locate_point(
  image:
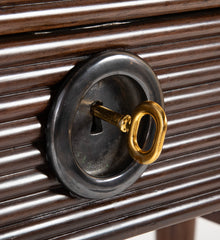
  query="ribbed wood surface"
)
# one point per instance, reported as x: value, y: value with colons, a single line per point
x: 184, y: 52
x: 21, y: 16
x: 64, y: 43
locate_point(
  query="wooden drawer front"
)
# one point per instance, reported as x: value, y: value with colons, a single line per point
x: 184, y: 51
x: 21, y: 16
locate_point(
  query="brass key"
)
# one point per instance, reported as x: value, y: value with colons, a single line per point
x: 130, y: 124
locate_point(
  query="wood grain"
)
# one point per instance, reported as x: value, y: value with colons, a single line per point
x: 27, y: 104
x: 73, y: 217
x: 181, y: 231
x: 165, y: 59
x: 32, y: 46
x: 21, y: 158
x: 182, y: 47
x: 43, y: 15
x: 147, y: 220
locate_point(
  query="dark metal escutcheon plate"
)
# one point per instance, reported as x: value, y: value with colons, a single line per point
x: 90, y: 156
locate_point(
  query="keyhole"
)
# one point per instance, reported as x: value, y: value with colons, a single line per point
x: 96, y: 123
x: 96, y: 126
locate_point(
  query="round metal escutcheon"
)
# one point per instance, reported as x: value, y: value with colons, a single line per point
x: 90, y: 156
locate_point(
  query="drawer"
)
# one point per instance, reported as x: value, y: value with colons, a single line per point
x: 40, y: 43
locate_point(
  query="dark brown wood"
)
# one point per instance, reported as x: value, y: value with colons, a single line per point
x: 29, y: 130
x: 175, y: 53
x: 181, y: 231
x: 184, y: 51
x: 57, y: 14
x: 28, y: 104
x: 73, y: 217
x: 189, y: 74
x: 33, y: 47
x: 26, y: 77
x: 21, y: 2
x: 190, y: 142
x: 58, y: 199
x: 192, y: 120
x: 140, y: 222
x: 21, y: 158
x: 20, y: 132
x: 214, y: 217
x: 183, y: 166
x: 160, y: 172
x: 183, y: 99
x: 26, y: 182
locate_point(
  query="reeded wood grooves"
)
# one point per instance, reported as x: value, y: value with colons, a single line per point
x: 57, y: 14
x: 35, y: 46
x: 184, y: 52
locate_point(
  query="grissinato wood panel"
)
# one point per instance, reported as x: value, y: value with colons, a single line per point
x: 192, y: 120
x: 20, y: 158
x: 42, y: 177
x: 21, y: 2
x: 189, y: 74
x: 148, y: 220
x: 19, y: 132
x: 191, y: 141
x: 30, y: 157
x: 183, y: 50
x: 26, y: 182
x: 181, y: 166
x: 27, y: 104
x: 33, y: 46
x: 28, y: 206
x: 56, y: 14
x: 158, y: 172
x: 183, y: 99
x: 125, y: 205
x: 29, y: 130
x: 194, y: 54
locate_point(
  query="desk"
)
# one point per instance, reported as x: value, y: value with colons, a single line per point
x: 40, y: 42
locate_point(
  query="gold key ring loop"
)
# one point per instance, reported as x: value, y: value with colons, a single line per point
x: 129, y: 124
x: 157, y: 113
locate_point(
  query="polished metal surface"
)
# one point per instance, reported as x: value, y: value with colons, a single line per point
x: 129, y: 124
x: 150, y: 155
x: 123, y: 122
x: 92, y: 160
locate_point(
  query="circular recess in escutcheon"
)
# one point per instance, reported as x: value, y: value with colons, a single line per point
x: 89, y: 155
